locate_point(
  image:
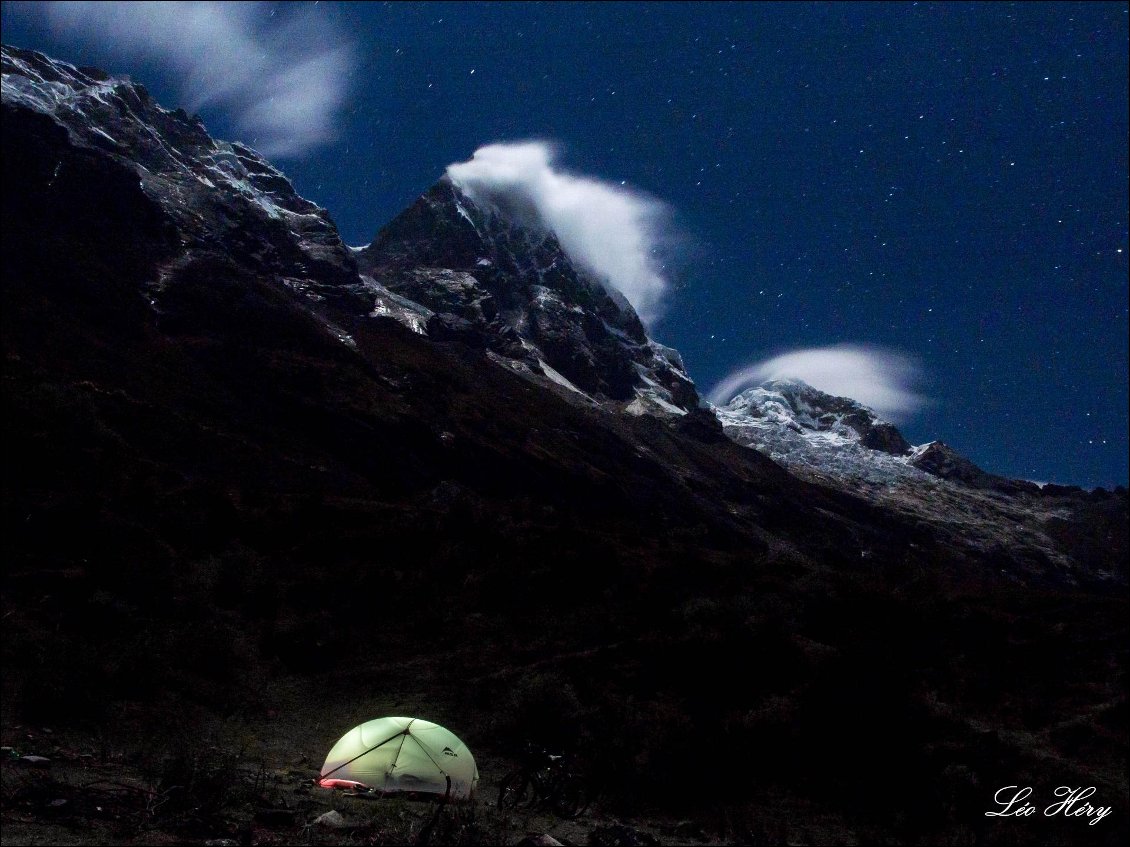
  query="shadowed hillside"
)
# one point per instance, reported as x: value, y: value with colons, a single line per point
x: 225, y: 494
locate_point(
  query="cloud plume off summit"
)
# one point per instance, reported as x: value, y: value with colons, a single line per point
x: 609, y: 230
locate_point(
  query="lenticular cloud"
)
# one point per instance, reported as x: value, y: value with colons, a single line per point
x: 282, y: 81
x: 608, y: 230
x: 880, y: 379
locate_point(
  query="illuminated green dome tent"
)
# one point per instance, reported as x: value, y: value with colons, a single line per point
x: 402, y: 755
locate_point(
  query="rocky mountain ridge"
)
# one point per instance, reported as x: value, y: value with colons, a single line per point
x: 447, y: 266
x: 222, y: 197
x: 248, y: 483
x: 491, y: 278
x: 444, y: 266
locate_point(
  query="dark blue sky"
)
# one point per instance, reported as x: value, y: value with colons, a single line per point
x: 946, y: 180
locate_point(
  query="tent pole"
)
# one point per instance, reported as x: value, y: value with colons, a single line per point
x: 424, y: 750
x: 370, y: 750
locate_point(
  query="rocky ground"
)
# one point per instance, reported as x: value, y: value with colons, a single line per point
x: 71, y: 792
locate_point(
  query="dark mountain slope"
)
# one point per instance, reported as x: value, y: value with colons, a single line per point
x: 223, y: 483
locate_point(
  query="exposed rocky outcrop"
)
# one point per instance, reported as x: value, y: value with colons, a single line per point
x: 943, y: 461
x: 503, y: 272
x: 216, y: 197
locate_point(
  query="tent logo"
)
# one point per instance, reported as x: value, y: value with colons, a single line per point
x: 447, y: 751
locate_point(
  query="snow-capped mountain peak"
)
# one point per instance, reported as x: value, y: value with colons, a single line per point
x: 795, y: 405
x: 808, y: 430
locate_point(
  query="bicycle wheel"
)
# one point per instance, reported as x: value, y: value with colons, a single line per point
x: 516, y: 791
x: 571, y: 796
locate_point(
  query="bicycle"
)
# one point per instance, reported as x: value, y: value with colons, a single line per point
x: 545, y: 780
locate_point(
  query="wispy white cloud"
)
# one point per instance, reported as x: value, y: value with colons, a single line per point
x: 881, y: 379
x: 282, y: 81
x: 611, y: 231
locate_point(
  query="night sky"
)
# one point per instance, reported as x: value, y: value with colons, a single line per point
x: 948, y: 181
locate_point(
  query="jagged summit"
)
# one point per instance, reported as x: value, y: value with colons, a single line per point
x: 493, y: 271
